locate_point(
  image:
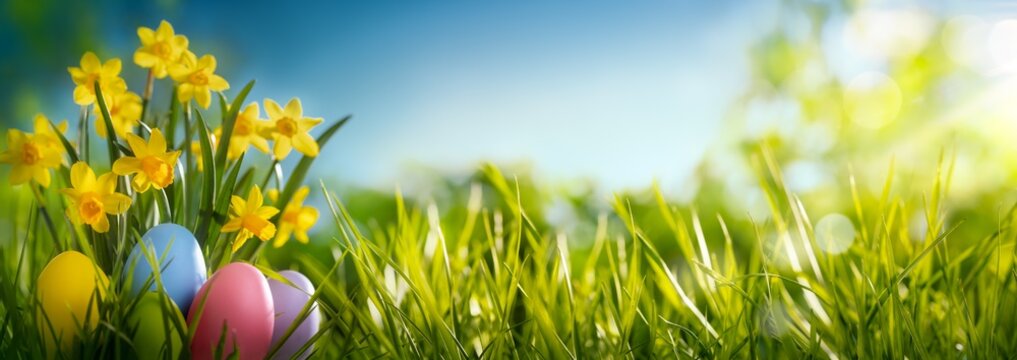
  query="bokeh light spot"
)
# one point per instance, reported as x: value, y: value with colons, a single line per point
x: 834, y: 233
x: 1003, y: 44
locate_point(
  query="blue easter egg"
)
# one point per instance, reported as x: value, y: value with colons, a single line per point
x: 181, y: 264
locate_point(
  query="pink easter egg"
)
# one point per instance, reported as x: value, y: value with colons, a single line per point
x: 237, y: 297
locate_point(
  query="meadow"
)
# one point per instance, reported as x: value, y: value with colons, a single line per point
x: 905, y: 251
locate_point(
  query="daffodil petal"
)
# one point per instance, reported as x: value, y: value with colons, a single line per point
x: 282, y: 147
x: 302, y: 237
x: 306, y: 124
x: 217, y: 83
x: 241, y: 239
x: 127, y: 165
x: 266, y: 212
x: 207, y: 62
x: 260, y: 143
x: 267, y: 232
x: 106, y: 183
x: 146, y: 35
x: 180, y: 41
x: 145, y: 59
x: 138, y: 145
x: 185, y: 92
x: 116, y: 203
x: 283, y: 235
x: 83, y: 95
x: 203, y: 96
x: 112, y: 67
x: 90, y: 63
x: 273, y: 109
x: 254, y: 198
x: 232, y: 225
x: 300, y: 195
x: 165, y: 30
x: 305, y: 144
x: 294, y: 109
x: 42, y: 176
x: 252, y: 111
x: 238, y: 205
x: 82, y: 177
x: 102, y: 225
x: 71, y: 193
x: 157, y: 142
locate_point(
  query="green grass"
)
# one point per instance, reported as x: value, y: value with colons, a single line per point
x: 485, y: 266
x: 483, y: 273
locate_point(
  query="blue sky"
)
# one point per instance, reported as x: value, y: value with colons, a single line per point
x: 623, y: 93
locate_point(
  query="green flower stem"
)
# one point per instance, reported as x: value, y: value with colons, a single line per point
x: 268, y: 176
x: 257, y: 250
x: 146, y: 97
x: 45, y: 214
x: 183, y: 213
x: 83, y: 134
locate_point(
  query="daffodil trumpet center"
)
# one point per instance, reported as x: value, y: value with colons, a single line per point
x: 161, y: 49
x: 199, y: 78
x: 243, y: 127
x: 286, y: 126
x: 291, y: 216
x: 91, y: 208
x: 30, y: 153
x: 157, y: 170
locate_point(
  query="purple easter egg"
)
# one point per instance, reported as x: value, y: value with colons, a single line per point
x: 289, y: 301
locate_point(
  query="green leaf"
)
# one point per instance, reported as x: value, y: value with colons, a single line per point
x: 221, y: 205
x: 208, y: 187
x: 229, y: 117
x: 174, y: 116
x: 111, y: 134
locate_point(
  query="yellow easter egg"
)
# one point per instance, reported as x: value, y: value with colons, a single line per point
x: 65, y: 288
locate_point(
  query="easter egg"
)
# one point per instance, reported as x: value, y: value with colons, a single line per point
x: 289, y: 301
x: 155, y: 334
x: 238, y: 299
x: 182, y: 267
x: 66, y: 287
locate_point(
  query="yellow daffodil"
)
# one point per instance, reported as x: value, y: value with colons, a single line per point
x: 290, y: 129
x: 31, y: 157
x: 196, y: 79
x: 124, y: 112
x: 248, y: 130
x: 250, y: 217
x: 160, y: 48
x: 91, y: 71
x: 151, y: 163
x: 296, y: 219
x: 93, y: 198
